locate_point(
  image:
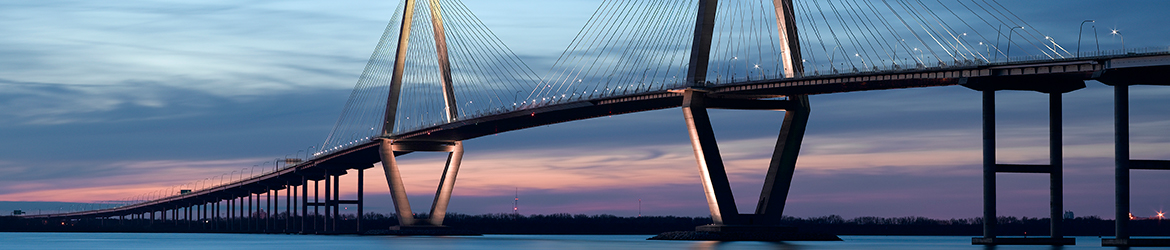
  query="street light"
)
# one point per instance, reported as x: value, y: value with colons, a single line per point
x: 1009, y: 48
x: 1080, y: 30
x: 986, y: 47
x: 1118, y: 33
x: 963, y: 41
x: 918, y: 57
x: 863, y: 65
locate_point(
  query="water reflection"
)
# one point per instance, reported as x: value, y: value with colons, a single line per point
x: 724, y: 245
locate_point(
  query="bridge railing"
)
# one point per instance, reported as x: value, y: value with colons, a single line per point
x: 826, y: 70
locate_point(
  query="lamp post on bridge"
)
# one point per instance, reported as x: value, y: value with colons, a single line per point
x: 262, y: 165
x: 1081, y: 30
x: 918, y: 57
x: 863, y: 64
x: 986, y: 47
x: 965, y: 43
x: 1009, y: 47
x: 1118, y: 33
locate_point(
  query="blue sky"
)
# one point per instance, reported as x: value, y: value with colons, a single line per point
x: 107, y: 100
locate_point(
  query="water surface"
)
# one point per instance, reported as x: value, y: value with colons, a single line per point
x: 284, y: 242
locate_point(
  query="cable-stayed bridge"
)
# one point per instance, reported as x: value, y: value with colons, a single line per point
x: 439, y: 76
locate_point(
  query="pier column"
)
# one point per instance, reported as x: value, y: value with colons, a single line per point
x: 250, y: 218
x: 288, y: 208
x: 446, y: 185
x: 316, y: 203
x: 230, y: 211
x: 361, y: 201
x: 336, y: 202
x: 326, y: 219
x: 989, y: 217
x: 268, y: 222
x: 782, y: 166
x: 1056, y: 159
x: 304, y: 205
x: 1121, y: 159
x: 397, y: 188
x: 711, y: 171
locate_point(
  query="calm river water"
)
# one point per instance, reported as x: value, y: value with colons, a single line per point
x: 12, y: 241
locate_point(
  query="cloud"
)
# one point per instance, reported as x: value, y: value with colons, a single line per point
x: 221, y: 44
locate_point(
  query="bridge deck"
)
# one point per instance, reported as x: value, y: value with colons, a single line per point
x: 1047, y: 76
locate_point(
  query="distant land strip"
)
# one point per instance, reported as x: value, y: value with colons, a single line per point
x: 610, y: 224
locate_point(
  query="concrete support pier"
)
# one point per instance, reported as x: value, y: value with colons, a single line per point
x: 730, y: 225
x: 1054, y: 169
x: 407, y: 224
x: 1121, y: 80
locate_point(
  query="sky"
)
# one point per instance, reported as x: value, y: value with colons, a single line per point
x: 106, y: 100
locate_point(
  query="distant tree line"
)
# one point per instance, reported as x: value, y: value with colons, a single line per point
x: 609, y: 224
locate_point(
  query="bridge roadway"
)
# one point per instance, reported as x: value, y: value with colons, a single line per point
x: 1054, y: 75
